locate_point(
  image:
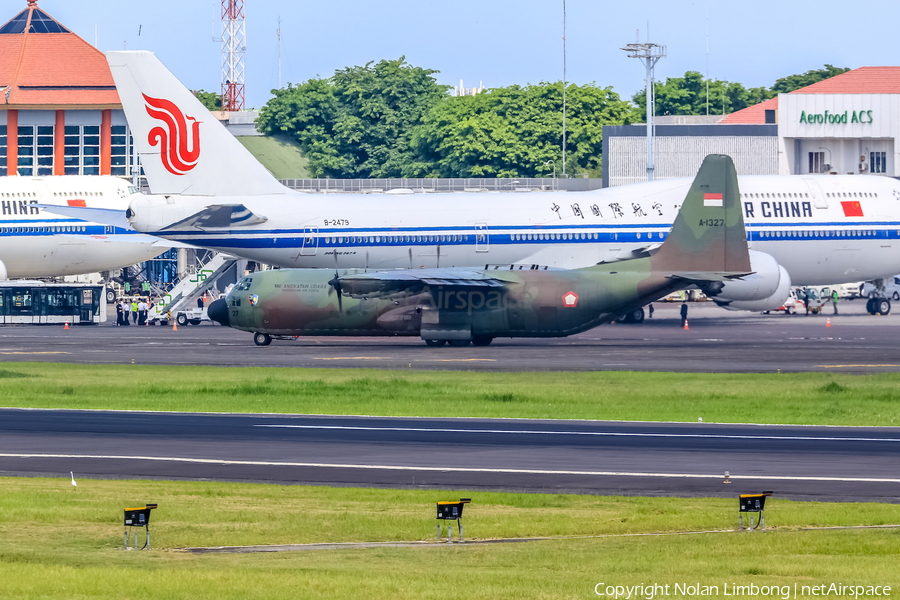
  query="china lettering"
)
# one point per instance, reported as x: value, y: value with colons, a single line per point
x: 861, y: 116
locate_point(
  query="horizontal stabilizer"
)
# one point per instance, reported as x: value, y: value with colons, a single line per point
x: 708, y: 276
x: 219, y: 216
x: 104, y: 216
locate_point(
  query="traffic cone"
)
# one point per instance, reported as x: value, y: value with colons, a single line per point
x: 174, y: 326
x: 67, y: 325
x: 685, y: 324
x: 828, y: 322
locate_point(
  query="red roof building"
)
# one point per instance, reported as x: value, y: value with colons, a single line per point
x: 864, y: 80
x: 60, y: 113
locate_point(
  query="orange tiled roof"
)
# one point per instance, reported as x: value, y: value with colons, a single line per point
x: 864, y: 80
x: 752, y: 115
x: 44, y: 64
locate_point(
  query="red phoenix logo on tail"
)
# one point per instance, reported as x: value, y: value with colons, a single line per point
x: 173, y: 139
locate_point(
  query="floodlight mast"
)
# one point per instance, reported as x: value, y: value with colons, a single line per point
x: 649, y: 54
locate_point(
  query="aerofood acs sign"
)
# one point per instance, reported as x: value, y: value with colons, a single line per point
x: 841, y: 118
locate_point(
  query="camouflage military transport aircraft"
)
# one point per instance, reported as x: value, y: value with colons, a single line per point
x: 707, y: 247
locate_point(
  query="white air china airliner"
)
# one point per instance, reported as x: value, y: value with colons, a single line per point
x: 37, y: 243
x: 210, y: 192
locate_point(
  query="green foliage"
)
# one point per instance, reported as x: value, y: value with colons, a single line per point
x: 211, y: 100
x: 390, y: 119
x: 359, y: 122
x: 687, y: 96
x: 795, y: 82
x: 514, y: 131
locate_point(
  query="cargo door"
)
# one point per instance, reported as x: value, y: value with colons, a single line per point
x: 815, y: 193
x: 310, y: 241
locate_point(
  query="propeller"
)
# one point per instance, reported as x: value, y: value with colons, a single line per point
x: 336, y: 287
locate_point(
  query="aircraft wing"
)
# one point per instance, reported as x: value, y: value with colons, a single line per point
x: 467, y: 277
x: 415, y: 280
x: 104, y: 216
x: 128, y: 238
x: 219, y: 216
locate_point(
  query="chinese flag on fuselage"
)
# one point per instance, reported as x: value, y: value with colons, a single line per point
x: 852, y: 209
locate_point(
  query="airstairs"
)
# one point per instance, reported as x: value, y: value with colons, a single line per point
x: 181, y: 301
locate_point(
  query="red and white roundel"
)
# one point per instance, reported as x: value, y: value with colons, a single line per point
x: 570, y: 300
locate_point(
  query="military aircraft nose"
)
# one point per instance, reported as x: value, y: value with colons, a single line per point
x: 218, y: 312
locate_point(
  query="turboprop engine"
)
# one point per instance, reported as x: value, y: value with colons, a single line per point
x: 766, y: 289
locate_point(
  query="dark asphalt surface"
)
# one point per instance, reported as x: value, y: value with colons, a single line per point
x: 718, y: 341
x: 820, y: 463
x: 584, y: 457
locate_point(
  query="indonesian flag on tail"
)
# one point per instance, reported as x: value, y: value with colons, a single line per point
x: 852, y: 209
x: 712, y: 199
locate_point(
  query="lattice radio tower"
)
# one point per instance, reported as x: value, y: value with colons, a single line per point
x: 234, y: 44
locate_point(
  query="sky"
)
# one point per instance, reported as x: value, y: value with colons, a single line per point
x: 494, y: 42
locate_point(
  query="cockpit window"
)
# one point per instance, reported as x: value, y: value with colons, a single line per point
x: 244, y: 284
x: 133, y: 190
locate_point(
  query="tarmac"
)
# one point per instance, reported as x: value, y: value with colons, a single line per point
x: 716, y: 341
x: 659, y: 459
x: 517, y: 455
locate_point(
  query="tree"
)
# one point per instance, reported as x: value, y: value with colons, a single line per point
x: 359, y: 122
x: 514, y: 131
x: 795, y: 82
x: 211, y: 100
x: 688, y: 96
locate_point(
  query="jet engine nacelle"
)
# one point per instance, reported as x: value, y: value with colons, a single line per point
x: 763, y: 283
x: 773, y: 302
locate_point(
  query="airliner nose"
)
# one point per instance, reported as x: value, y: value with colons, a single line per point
x: 218, y: 312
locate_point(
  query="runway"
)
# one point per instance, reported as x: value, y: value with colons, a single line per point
x: 717, y: 341
x: 610, y: 458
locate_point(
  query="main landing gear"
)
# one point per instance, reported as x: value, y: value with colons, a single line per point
x: 878, y: 306
x: 262, y: 339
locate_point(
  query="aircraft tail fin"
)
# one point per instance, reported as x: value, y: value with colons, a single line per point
x: 182, y: 146
x: 708, y: 236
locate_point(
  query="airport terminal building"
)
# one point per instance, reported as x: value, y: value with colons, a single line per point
x: 849, y: 124
x: 60, y: 113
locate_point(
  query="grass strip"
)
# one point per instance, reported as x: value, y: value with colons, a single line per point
x: 59, y: 542
x: 804, y: 398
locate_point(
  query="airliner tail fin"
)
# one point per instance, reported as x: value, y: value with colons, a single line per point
x: 183, y: 147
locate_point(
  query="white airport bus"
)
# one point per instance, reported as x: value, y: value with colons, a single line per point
x: 39, y: 303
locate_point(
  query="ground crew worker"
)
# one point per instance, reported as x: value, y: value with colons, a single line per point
x: 651, y: 310
x: 683, y: 313
x: 134, y: 310
x: 143, y: 307
x: 806, y: 301
x: 834, y: 300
